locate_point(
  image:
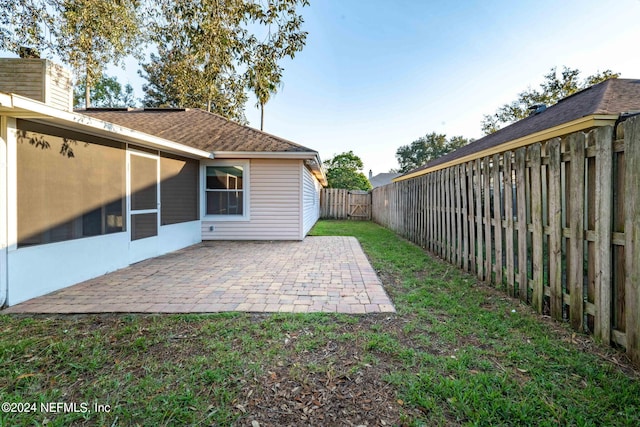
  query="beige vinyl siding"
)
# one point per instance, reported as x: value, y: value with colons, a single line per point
x: 310, y: 200
x: 58, y: 89
x: 274, y: 205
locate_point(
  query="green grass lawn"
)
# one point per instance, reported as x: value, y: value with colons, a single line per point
x: 456, y: 353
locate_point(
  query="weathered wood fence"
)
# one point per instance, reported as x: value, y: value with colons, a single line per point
x: 336, y: 203
x: 556, y: 224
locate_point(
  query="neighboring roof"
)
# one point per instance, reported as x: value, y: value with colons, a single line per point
x: 383, y: 179
x: 197, y: 128
x: 609, y: 98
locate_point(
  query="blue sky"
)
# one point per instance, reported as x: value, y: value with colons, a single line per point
x: 376, y: 75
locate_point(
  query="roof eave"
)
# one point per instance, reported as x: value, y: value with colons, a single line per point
x: 314, y: 164
x: 581, y: 124
x: 24, y: 108
x: 302, y: 155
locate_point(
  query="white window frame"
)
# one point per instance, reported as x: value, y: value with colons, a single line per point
x: 246, y: 179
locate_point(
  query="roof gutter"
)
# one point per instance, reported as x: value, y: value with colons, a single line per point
x: 581, y: 124
x: 24, y: 108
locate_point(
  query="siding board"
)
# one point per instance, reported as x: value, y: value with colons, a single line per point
x: 274, y: 205
x: 310, y: 200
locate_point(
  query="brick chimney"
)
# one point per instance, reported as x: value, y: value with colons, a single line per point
x: 38, y: 79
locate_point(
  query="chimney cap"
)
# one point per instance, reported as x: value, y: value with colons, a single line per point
x: 28, y: 52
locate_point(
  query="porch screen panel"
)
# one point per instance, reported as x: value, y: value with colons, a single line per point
x: 179, y: 186
x: 144, y: 183
x: 70, y: 185
x: 144, y: 225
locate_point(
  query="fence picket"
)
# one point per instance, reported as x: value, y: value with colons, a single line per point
x: 497, y: 215
x: 508, y: 215
x: 442, y: 232
x: 555, y: 230
x: 486, y: 188
x: 604, y: 206
x: 521, y: 171
x: 465, y: 217
x: 471, y: 219
x: 447, y: 215
x: 537, y: 295
x: 479, y: 242
x: 575, y: 261
x: 458, y: 213
x: 452, y: 218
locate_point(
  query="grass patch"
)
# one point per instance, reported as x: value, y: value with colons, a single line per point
x: 456, y: 353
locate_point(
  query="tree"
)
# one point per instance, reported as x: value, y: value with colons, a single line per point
x: 264, y: 73
x: 264, y: 79
x: 85, y: 34
x: 26, y: 23
x: 94, y: 33
x: 345, y: 171
x: 198, y: 46
x: 209, y: 53
x: 106, y: 92
x: 426, y: 148
x: 551, y: 90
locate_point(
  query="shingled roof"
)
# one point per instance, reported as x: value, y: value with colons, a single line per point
x: 197, y: 128
x: 611, y: 97
x: 382, y: 179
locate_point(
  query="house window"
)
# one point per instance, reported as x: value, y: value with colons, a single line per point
x: 225, y: 190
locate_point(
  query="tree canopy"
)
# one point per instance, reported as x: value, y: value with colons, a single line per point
x: 106, y: 92
x: 426, y: 148
x: 206, y: 54
x: 552, y: 89
x: 345, y: 171
x: 85, y: 34
x: 209, y: 53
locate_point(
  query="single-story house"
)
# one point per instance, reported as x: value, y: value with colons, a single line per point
x: 88, y: 192
x: 382, y: 179
x: 599, y: 105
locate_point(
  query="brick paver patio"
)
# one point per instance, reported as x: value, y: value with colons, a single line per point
x: 318, y: 274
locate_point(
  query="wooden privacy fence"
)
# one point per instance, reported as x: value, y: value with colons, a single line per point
x: 337, y: 203
x: 556, y: 224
